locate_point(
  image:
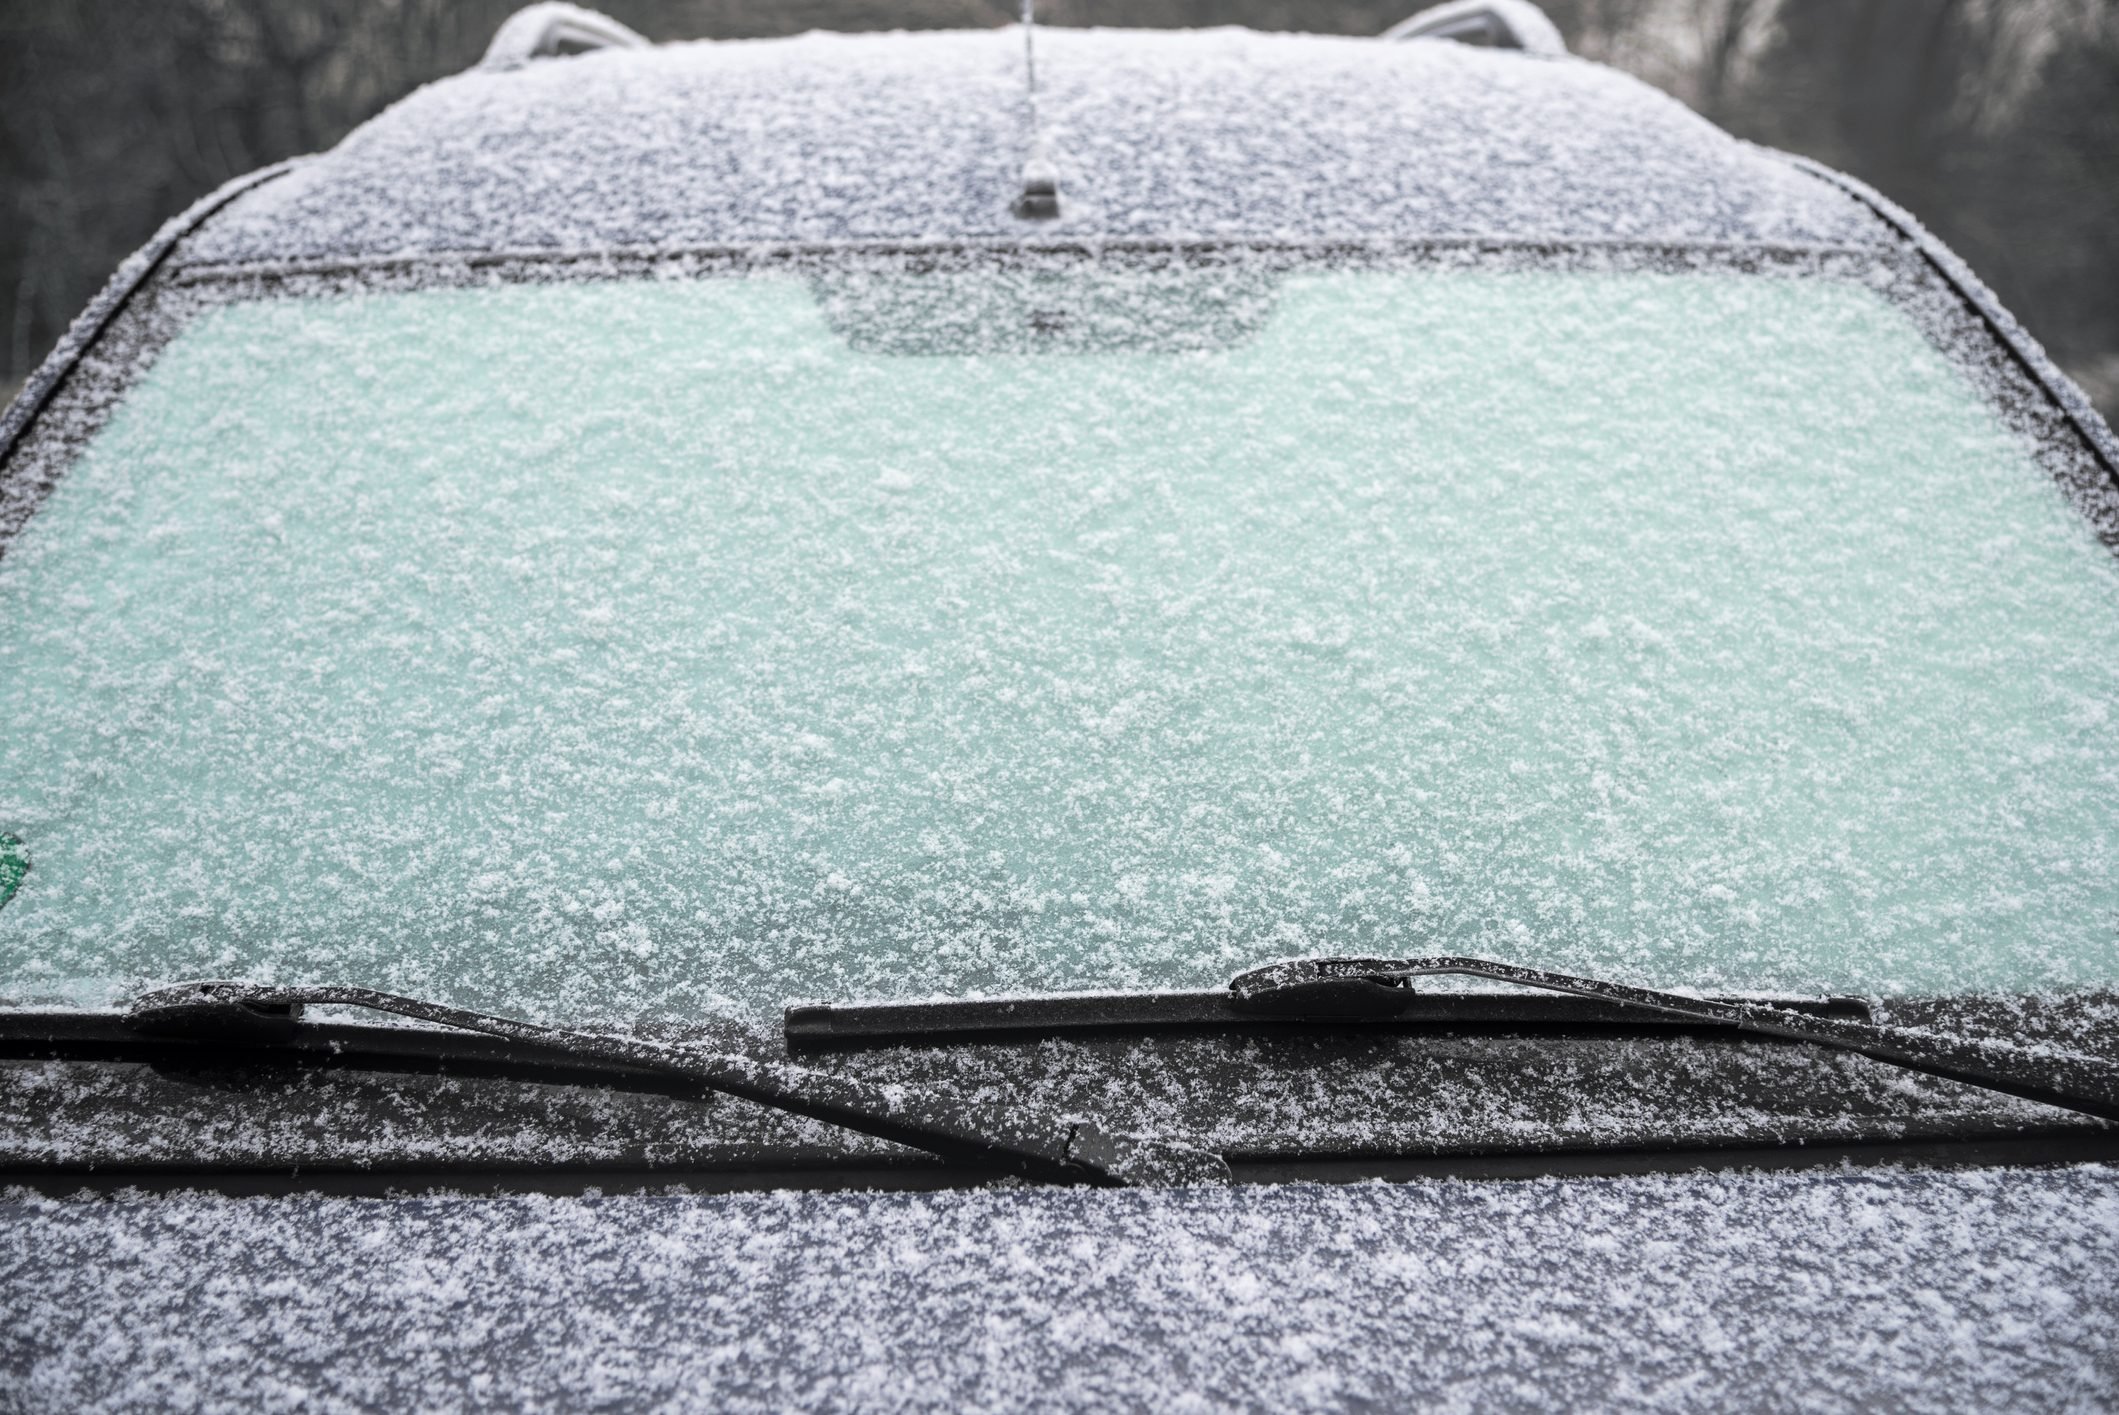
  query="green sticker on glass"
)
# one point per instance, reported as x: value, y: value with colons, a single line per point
x: 14, y: 864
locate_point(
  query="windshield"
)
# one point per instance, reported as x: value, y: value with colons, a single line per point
x: 638, y: 648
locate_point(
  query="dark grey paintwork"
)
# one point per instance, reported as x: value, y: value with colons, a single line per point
x: 1835, y: 1292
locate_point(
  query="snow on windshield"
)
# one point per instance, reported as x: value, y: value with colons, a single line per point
x: 632, y: 648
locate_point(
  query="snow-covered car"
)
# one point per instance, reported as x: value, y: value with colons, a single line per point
x: 1169, y: 720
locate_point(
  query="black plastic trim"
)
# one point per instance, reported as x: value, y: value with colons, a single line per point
x: 920, y: 1174
x: 2058, y: 1148
x: 940, y: 253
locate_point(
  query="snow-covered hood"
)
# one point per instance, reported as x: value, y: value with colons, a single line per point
x: 1822, y: 1291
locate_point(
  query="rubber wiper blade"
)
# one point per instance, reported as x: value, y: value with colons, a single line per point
x: 940, y: 1020
x: 1339, y: 991
x: 2069, y: 1080
x: 1039, y: 1144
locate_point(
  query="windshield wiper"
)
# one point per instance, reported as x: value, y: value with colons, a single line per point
x: 1341, y: 990
x: 1036, y: 1143
x: 813, y: 1024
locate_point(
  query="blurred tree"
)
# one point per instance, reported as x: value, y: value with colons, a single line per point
x: 1997, y: 121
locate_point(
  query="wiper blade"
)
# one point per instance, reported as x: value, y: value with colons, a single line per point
x: 1039, y: 1144
x: 1045, y: 1014
x: 1340, y: 990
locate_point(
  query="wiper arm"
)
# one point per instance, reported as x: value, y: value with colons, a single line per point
x: 1339, y: 990
x: 1039, y: 1144
x: 2064, y: 1079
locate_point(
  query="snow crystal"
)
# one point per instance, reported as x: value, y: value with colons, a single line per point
x: 1701, y: 628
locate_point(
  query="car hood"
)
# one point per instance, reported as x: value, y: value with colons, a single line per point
x: 1888, y: 1288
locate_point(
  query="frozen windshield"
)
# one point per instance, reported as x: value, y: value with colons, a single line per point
x: 638, y: 647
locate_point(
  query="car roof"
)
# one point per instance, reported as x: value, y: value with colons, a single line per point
x: 1158, y: 136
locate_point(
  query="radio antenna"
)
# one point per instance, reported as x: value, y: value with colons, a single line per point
x: 1039, y: 200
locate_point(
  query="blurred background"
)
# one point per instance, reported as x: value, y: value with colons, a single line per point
x: 1995, y: 121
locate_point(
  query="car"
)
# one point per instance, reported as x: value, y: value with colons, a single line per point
x: 1043, y: 718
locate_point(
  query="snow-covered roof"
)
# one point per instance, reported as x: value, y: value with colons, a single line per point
x: 915, y: 137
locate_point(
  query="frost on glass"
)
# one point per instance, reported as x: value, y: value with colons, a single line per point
x: 635, y: 648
